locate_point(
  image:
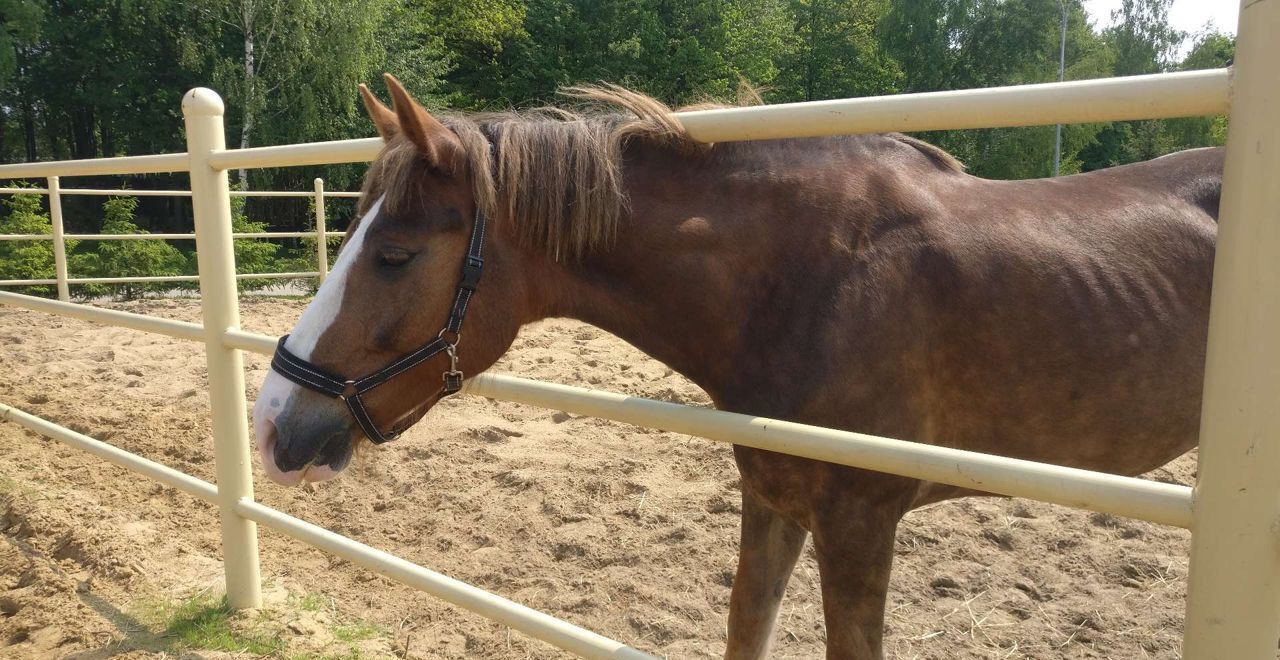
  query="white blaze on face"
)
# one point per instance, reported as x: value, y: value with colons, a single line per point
x: 316, y: 319
x: 319, y: 315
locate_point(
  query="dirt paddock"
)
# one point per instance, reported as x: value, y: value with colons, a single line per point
x: 625, y: 531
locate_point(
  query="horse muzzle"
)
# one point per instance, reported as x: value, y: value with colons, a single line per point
x: 301, y: 436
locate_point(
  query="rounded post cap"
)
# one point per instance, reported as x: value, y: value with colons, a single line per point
x: 202, y: 101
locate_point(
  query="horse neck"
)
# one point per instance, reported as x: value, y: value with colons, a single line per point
x: 691, y: 278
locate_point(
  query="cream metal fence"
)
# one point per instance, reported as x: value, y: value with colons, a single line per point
x: 1233, y: 609
x: 55, y: 191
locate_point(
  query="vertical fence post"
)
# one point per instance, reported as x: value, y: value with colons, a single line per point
x: 211, y: 204
x: 322, y: 241
x: 1233, y: 599
x: 59, y: 244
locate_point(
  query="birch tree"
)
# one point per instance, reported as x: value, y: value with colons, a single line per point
x: 288, y: 66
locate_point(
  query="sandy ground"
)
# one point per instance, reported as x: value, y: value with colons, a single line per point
x: 626, y: 531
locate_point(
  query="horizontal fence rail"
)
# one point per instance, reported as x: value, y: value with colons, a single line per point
x: 1182, y: 94
x: 141, y: 322
x: 1126, y: 496
x: 126, y: 192
x: 153, y: 237
x: 159, y: 279
x: 317, y: 153
x: 559, y: 633
x: 1167, y: 504
x: 1111, y: 99
x: 111, y: 454
x: 157, y: 164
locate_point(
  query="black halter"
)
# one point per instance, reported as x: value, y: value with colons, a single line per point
x: 314, y: 378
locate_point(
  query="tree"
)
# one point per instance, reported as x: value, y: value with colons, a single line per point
x: 253, y: 255
x: 1144, y: 42
x: 1143, y: 39
x: 835, y: 52
x: 28, y: 260
x: 127, y: 258
x: 679, y: 52
x: 758, y: 35
x: 956, y: 44
x: 1211, y: 50
x: 20, y: 22
x: 289, y: 68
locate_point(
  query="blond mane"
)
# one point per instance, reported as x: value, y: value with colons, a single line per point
x: 559, y: 169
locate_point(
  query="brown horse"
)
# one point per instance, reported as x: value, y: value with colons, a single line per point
x: 863, y: 283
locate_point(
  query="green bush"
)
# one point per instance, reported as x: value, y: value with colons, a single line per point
x: 138, y: 258
x: 304, y: 258
x: 127, y: 258
x: 28, y: 260
x: 253, y: 255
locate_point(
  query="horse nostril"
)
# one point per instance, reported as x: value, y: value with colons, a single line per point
x: 306, y: 436
x: 287, y: 454
x: 334, y: 451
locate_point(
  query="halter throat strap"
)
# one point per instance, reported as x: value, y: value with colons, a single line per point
x: 309, y: 376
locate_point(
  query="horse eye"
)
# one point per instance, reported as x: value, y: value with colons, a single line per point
x: 394, y: 257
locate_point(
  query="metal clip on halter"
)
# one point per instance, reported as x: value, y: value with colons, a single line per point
x: 452, y: 377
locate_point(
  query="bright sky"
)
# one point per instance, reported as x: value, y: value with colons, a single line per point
x: 1186, y: 15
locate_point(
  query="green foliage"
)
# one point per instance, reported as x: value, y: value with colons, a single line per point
x: 1143, y: 40
x: 835, y: 52
x: 126, y: 258
x: 27, y: 260
x: 304, y: 258
x: 253, y: 255
x: 19, y: 26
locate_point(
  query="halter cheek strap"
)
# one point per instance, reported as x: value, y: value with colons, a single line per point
x: 316, y: 379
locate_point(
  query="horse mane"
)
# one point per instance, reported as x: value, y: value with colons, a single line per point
x: 559, y: 170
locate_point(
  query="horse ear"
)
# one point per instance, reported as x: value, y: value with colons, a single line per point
x: 381, y: 115
x: 437, y: 143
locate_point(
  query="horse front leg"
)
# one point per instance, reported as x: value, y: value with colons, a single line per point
x: 855, y: 554
x: 770, y: 547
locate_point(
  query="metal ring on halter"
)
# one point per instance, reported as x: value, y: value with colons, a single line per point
x: 457, y: 337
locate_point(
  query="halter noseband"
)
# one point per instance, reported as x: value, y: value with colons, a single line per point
x: 316, y: 379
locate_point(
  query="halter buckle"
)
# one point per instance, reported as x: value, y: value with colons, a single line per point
x: 471, y: 271
x: 348, y: 391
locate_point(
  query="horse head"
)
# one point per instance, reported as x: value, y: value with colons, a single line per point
x: 383, y: 340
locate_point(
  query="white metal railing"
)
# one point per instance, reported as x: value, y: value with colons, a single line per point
x: 1233, y: 511
x: 55, y: 191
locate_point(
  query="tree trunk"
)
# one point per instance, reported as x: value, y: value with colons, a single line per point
x: 28, y: 113
x: 108, y: 137
x: 810, y: 73
x: 29, y: 129
x: 250, y: 85
x: 84, y: 140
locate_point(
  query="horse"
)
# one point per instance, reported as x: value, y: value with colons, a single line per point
x: 865, y: 283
